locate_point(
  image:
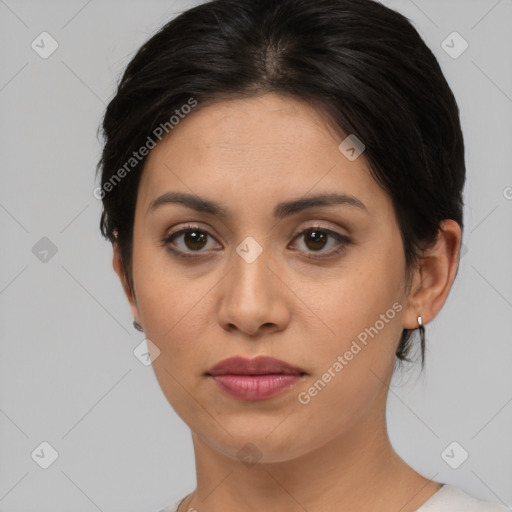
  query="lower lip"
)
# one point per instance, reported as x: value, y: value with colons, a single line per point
x: 255, y: 387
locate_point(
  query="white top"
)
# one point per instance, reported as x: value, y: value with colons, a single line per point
x: 447, y: 499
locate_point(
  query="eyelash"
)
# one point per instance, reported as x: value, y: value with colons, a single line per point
x: 343, y: 240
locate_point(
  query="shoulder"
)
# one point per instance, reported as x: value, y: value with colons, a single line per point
x: 174, y: 506
x: 453, y: 499
x: 448, y: 499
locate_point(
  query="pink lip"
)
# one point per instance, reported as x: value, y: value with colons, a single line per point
x: 255, y: 387
x: 254, y: 379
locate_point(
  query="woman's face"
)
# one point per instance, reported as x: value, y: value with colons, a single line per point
x: 330, y: 301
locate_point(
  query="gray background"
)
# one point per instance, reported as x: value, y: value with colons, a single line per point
x: 68, y: 373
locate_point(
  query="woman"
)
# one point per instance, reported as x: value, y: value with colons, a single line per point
x: 282, y: 185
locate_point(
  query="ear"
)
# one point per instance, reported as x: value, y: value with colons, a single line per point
x: 433, y: 280
x: 117, y: 263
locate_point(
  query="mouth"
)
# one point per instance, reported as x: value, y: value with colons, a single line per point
x: 261, y: 365
x: 255, y: 379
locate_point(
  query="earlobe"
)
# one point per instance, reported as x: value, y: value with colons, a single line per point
x: 117, y: 264
x: 434, y: 278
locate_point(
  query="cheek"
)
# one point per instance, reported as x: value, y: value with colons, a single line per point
x: 362, y: 307
x: 174, y: 313
x: 357, y: 295
x: 176, y: 310
x: 350, y: 369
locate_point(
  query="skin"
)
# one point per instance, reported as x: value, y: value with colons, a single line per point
x: 332, y: 453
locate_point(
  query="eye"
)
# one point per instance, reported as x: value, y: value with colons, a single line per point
x: 316, y: 238
x: 190, y: 239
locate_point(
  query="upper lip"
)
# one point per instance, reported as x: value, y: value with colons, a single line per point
x: 261, y: 365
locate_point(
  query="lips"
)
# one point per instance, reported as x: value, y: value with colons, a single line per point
x: 255, y: 379
x: 261, y: 365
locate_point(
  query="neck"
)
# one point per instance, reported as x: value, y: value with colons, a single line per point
x: 356, y: 470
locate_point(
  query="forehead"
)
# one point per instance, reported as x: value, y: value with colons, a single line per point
x: 257, y: 149
x: 266, y: 125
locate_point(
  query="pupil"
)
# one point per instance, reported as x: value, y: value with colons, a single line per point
x: 319, y: 239
x: 195, y: 239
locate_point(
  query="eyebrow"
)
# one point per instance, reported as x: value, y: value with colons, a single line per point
x: 281, y: 210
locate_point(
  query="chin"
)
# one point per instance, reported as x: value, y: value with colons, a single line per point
x: 260, y: 445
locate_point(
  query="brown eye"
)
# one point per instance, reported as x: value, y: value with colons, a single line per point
x: 187, y: 241
x: 315, y: 239
x: 195, y: 239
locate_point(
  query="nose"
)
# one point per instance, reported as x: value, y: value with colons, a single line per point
x: 253, y: 298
